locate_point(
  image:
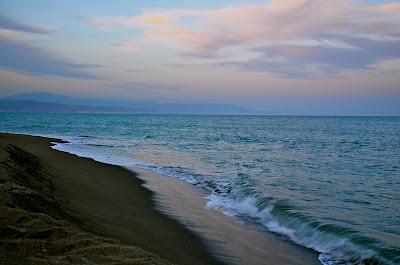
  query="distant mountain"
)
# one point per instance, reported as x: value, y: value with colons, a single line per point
x: 35, y: 106
x: 49, y: 97
x: 60, y: 103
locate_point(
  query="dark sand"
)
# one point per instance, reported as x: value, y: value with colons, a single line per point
x: 58, y: 208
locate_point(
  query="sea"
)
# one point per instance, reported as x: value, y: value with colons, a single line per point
x: 331, y: 184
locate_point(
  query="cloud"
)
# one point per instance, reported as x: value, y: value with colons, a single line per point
x: 304, y: 34
x: 153, y: 19
x: 17, y: 54
x: 146, y: 86
x: 300, y: 60
x: 388, y: 8
x: 12, y: 24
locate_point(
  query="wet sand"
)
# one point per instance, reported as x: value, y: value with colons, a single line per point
x: 75, y: 210
x: 58, y: 208
x: 229, y: 239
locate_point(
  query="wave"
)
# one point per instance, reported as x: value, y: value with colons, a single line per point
x: 337, y: 245
x: 87, y: 136
x: 101, y: 145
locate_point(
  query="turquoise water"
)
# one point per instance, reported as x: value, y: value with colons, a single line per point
x: 328, y: 183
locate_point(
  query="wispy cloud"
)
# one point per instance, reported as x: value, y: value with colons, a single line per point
x: 300, y: 60
x: 12, y: 24
x: 153, y: 19
x: 289, y: 37
x: 17, y: 52
x: 145, y: 86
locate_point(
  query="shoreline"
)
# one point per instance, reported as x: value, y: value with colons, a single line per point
x: 261, y: 182
x: 84, y: 197
x: 221, y: 240
x: 231, y: 240
x: 245, y: 243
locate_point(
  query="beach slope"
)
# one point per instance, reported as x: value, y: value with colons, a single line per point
x: 60, y: 208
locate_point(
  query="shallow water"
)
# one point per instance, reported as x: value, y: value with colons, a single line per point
x: 227, y: 239
x: 328, y: 183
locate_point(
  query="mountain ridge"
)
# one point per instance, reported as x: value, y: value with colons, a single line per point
x: 48, y: 102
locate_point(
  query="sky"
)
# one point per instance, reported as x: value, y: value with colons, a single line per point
x: 304, y: 57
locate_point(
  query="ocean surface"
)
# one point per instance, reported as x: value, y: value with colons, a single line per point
x: 331, y: 184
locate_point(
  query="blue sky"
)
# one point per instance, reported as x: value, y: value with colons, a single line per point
x: 281, y: 56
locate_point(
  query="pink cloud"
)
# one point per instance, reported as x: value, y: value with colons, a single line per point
x: 9, y: 34
x: 208, y: 33
x: 390, y: 7
x: 272, y: 21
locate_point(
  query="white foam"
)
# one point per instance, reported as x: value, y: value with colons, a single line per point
x: 247, y: 207
x: 334, y: 249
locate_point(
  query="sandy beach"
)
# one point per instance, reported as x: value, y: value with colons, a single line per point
x: 64, y: 209
x: 246, y: 132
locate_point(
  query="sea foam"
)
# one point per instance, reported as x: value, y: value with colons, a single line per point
x: 336, y: 247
